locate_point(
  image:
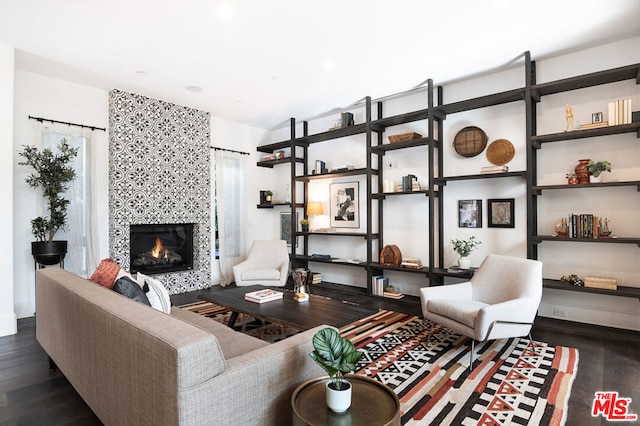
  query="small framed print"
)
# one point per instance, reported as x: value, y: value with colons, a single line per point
x: 286, y: 227
x: 596, y: 118
x: 500, y: 213
x: 470, y: 213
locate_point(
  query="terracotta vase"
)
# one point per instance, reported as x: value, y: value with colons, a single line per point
x: 581, y: 171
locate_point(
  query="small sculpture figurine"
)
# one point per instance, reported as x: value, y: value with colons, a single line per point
x: 562, y: 227
x: 569, y: 117
x: 603, y: 225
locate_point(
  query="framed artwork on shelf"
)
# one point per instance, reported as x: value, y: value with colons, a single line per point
x: 285, y: 228
x: 501, y: 212
x: 345, y: 208
x: 470, y: 213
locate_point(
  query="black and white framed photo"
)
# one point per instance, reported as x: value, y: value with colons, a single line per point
x: 501, y: 212
x: 345, y: 209
x: 285, y: 228
x: 470, y: 213
x: 596, y: 118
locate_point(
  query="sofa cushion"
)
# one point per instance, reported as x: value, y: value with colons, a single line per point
x: 106, y: 273
x: 158, y: 295
x: 231, y: 342
x: 129, y: 288
x: 261, y: 274
x: 463, y: 311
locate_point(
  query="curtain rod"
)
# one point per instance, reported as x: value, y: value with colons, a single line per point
x: 40, y: 119
x: 229, y: 150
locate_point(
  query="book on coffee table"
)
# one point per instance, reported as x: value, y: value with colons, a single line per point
x: 262, y: 296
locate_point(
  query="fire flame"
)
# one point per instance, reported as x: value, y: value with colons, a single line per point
x: 158, y: 250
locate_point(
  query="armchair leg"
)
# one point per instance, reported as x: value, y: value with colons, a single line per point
x: 430, y: 331
x: 471, y: 349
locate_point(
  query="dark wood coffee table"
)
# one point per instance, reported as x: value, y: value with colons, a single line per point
x: 317, y: 311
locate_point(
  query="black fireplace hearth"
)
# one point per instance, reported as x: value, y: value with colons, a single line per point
x: 160, y: 248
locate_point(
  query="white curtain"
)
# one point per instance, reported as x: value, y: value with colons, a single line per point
x: 81, y: 232
x: 229, y: 210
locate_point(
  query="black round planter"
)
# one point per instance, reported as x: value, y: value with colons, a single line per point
x: 48, y: 253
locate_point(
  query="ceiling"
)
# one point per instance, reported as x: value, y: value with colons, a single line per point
x: 259, y: 62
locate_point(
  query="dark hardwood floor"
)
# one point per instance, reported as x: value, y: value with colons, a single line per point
x: 30, y: 394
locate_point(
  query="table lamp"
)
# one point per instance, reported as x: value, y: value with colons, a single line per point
x: 314, y: 208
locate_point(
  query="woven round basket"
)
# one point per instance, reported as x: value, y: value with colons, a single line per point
x: 500, y: 152
x: 470, y: 141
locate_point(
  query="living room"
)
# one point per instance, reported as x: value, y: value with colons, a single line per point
x: 55, y: 95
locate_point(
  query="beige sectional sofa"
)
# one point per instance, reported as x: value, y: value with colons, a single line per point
x: 134, y: 365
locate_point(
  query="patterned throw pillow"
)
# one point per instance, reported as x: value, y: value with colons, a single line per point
x: 106, y: 273
x: 157, y: 294
x: 129, y: 288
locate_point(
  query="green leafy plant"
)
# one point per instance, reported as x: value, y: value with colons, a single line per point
x: 268, y: 193
x: 52, y: 175
x: 335, y: 354
x: 596, y: 167
x: 304, y: 221
x: 465, y: 247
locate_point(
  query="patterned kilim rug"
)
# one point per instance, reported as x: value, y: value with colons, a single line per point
x: 514, y: 381
x: 246, y: 324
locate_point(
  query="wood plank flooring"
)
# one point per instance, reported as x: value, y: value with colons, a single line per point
x: 30, y: 394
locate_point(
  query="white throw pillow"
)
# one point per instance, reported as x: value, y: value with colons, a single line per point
x: 158, y: 295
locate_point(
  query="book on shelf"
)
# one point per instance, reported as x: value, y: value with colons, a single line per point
x: 316, y: 278
x: 494, y: 169
x: 620, y: 112
x: 583, y: 225
x: 411, y: 263
x: 378, y: 283
x: 393, y: 294
x: 344, y: 260
x: 594, y: 125
x: 598, y: 282
x: 455, y: 269
x: 263, y: 296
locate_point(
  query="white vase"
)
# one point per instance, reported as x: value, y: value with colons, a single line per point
x: 464, y: 262
x: 595, y: 179
x: 339, y: 401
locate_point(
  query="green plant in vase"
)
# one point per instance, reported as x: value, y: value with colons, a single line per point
x: 464, y: 249
x: 595, y: 168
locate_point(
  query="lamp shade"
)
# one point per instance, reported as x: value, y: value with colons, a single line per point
x: 314, y: 208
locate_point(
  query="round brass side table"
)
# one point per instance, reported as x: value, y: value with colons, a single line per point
x: 372, y: 404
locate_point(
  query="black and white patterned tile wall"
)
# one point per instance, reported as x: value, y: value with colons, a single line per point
x: 159, y: 156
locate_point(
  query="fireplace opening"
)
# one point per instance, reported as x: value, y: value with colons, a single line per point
x: 159, y: 248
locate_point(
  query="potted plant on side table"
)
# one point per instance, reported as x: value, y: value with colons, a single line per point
x: 52, y: 175
x: 595, y: 168
x: 337, y: 356
x: 464, y: 249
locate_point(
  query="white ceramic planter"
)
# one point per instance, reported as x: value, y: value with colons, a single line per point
x: 593, y: 179
x: 464, y: 262
x: 339, y: 401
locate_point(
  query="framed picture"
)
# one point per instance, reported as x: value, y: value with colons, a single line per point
x: 596, y: 117
x: 470, y: 213
x: 285, y: 228
x: 501, y: 213
x: 345, y: 209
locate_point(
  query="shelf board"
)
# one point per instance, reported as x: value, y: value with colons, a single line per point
x: 444, y: 273
x: 395, y: 120
x: 608, y: 240
x: 271, y: 163
x: 629, y: 72
x: 339, y: 234
x: 277, y: 146
x: 483, y: 101
x: 311, y: 259
x: 444, y: 180
x: 353, y: 172
x: 376, y: 265
x: 381, y: 149
x: 539, y: 188
x: 633, y: 292
x: 383, y: 195
x: 536, y: 141
x: 271, y: 205
x: 332, y: 134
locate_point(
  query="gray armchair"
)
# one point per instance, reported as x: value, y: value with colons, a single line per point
x: 500, y: 301
x: 266, y: 264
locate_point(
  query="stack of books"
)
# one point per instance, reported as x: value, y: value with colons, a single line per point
x: 263, y: 296
x: 378, y: 283
x: 393, y: 294
x: 411, y: 263
x: 494, y: 169
x: 620, y: 112
x: 316, y: 278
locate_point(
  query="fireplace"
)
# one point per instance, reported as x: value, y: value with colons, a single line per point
x: 160, y: 248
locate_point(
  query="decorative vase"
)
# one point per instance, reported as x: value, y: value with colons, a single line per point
x: 339, y: 401
x: 581, y: 171
x: 464, y: 262
x: 595, y: 179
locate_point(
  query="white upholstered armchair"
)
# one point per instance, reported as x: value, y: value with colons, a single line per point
x: 500, y: 301
x: 266, y: 264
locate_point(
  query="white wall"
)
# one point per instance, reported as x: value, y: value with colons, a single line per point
x: 8, y: 323
x: 41, y: 96
x: 406, y: 217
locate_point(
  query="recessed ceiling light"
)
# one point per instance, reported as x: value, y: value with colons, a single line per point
x: 194, y: 88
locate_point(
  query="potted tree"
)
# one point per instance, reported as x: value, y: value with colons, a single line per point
x: 52, y: 175
x: 337, y: 356
x: 595, y: 168
x: 305, y: 225
x: 268, y: 196
x: 464, y: 249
